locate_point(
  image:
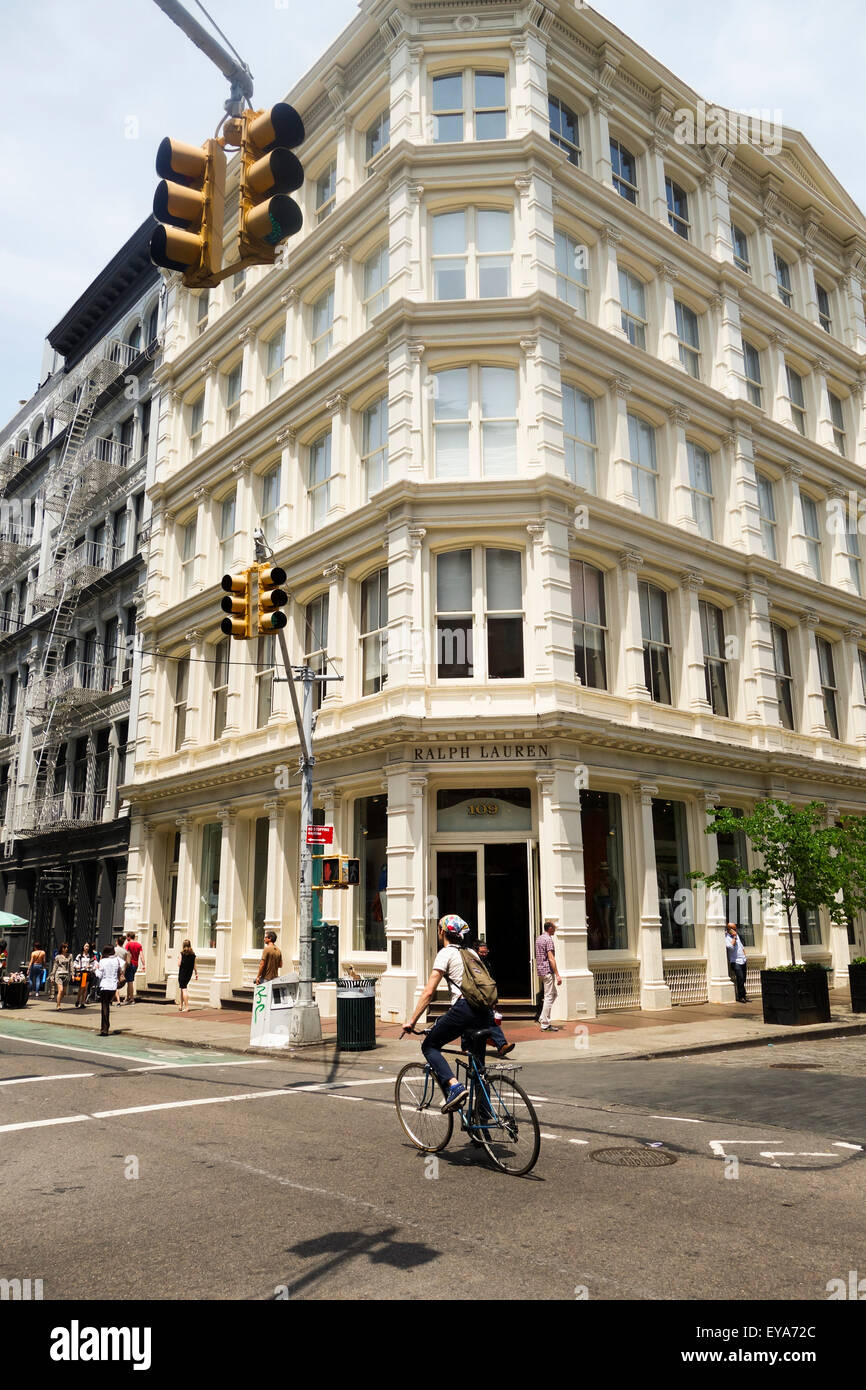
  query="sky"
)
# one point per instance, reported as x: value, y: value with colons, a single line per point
x: 92, y: 86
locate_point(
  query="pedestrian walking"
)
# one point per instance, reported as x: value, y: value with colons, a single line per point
x: 736, y: 961
x: 83, y: 968
x: 135, y: 952
x: 271, y: 962
x: 186, y: 970
x: 124, y: 957
x: 61, y: 972
x: 36, y: 968
x: 548, y: 974
x: 110, y: 974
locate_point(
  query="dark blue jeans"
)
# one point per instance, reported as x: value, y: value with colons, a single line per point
x: 458, y: 1019
x: 739, y: 974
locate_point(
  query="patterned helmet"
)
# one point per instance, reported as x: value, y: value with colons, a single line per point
x: 454, y: 927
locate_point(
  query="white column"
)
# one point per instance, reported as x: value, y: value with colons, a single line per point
x: 250, y: 376
x: 694, y: 694
x: 291, y: 302
x: 338, y: 633
x: 720, y: 986
x: 715, y: 184
x: 631, y: 667
x: 279, y: 860
x: 728, y: 371
x: 405, y: 914
x: 229, y: 906
x: 207, y: 541
x: 668, y: 348
x: 851, y: 295
x: 196, y: 694
x: 679, y: 509
x: 777, y: 385
x: 851, y: 639
x: 210, y: 372
x: 761, y: 697
x: 610, y: 305
x: 599, y: 138
x: 340, y: 259
x: 813, y: 702
x: 839, y: 519
x: 405, y: 620
x: 820, y: 396
x: 563, y: 891
x: 654, y: 993
x: 550, y: 578
x: 623, y: 479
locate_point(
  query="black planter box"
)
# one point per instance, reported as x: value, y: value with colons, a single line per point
x: 795, y: 996
x: 857, y: 980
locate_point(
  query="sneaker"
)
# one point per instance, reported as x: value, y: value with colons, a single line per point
x: 504, y: 1050
x: 457, y: 1096
x: 549, y: 1028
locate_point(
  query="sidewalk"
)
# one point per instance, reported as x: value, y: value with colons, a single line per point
x: 624, y: 1035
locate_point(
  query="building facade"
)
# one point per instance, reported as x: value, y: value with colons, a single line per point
x: 73, y: 470
x: 550, y: 417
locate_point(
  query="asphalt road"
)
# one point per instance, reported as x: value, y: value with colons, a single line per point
x: 259, y: 1179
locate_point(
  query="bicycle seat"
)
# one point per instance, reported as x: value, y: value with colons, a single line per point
x: 477, y: 1035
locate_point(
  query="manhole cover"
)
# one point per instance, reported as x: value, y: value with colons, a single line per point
x: 796, y: 1066
x: 634, y: 1158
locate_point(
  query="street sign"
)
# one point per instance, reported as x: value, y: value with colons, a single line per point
x: 320, y: 834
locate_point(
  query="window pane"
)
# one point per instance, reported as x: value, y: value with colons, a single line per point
x: 672, y: 870
x: 489, y: 89
x: 494, y: 230
x: 499, y: 450
x: 601, y: 827
x: 498, y: 393
x: 504, y: 586
x: 449, y: 233
x: 452, y: 451
x: 454, y: 582
x: 451, y: 400
x: 505, y: 648
x: 448, y: 92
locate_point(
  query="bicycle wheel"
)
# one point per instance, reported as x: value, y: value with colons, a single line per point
x: 513, y: 1138
x: 417, y: 1096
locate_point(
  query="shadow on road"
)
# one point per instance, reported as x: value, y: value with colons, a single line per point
x: 379, y: 1247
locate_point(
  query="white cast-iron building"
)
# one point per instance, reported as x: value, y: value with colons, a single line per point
x: 548, y: 417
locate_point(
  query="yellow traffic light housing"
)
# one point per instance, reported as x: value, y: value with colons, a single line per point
x: 269, y: 171
x: 189, y: 204
x: 271, y: 598
x: 238, y: 602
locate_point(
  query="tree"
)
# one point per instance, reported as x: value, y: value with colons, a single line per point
x: 803, y: 861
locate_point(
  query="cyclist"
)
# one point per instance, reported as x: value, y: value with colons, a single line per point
x: 453, y: 932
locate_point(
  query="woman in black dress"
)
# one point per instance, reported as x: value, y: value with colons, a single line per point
x: 186, y: 971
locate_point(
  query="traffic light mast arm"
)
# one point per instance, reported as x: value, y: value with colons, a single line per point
x: 237, y: 72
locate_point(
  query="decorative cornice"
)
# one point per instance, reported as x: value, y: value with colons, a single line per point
x: 336, y: 404
x: 241, y: 466
x: 809, y: 619
x: 416, y: 536
x: 667, y: 271
x: 611, y: 235
x: 630, y: 560
x: 286, y: 436
x: 678, y: 416
x: 334, y: 572
x: 621, y: 386
x: 339, y: 254
x: 535, y: 529
x: 691, y: 581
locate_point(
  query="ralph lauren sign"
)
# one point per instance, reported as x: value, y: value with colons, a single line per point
x: 481, y: 752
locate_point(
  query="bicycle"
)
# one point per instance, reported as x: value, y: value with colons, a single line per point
x: 498, y: 1114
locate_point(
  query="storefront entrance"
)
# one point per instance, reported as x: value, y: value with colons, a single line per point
x: 489, y: 888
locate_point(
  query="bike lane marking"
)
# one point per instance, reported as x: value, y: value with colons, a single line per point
x: 58, y: 1076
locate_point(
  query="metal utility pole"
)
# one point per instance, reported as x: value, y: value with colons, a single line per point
x: 232, y: 68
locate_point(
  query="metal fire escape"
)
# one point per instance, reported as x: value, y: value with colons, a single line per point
x: 86, y: 470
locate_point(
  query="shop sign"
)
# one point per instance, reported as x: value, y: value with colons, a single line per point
x: 481, y: 752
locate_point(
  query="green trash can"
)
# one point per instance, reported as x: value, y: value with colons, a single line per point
x: 356, y: 1015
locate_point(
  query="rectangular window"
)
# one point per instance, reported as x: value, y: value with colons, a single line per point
x: 227, y: 531
x: 271, y: 504
x: 449, y: 255
x: 454, y: 615
x: 783, y: 280
x: 624, y: 171
x: 370, y: 898
x: 374, y: 448
x: 233, y: 396
x: 688, y: 339
x: 187, y: 557
x: 201, y: 311
x: 316, y: 640
x: 211, y: 851
x: 851, y: 545
x: 828, y: 684
x: 701, y: 479
x: 220, y: 685
x: 493, y: 240
x: 274, y: 373
x: 322, y: 327
x: 326, y: 192
x: 812, y: 533
x: 578, y: 429
x: 451, y: 423
x: 603, y: 871
x: 672, y: 875
x: 740, y: 243
x: 181, y: 685
x: 644, y: 473
x: 448, y: 107
x: 752, y: 373
x: 374, y: 632
x: 571, y: 273
x: 589, y: 625
x: 319, y: 491
x: 823, y: 308
x: 564, y: 132
x: 265, y: 670
x: 838, y: 418
x: 498, y: 422
x: 784, y: 680
x: 656, y: 642
x: 678, y: 208
x: 260, y: 880
x: 110, y: 647
x: 239, y: 284
x: 119, y: 533
x: 633, y: 307
x: 196, y: 422
x: 490, y: 113
x: 767, y: 513
x: 797, y: 399
x: 504, y: 614
x: 375, y: 284
x: 809, y: 923
x: 731, y: 845
x: 713, y: 639
x: 377, y: 139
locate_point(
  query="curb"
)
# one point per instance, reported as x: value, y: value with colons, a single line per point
x: 838, y: 1030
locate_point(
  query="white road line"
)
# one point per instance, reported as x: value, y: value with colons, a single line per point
x: 357, y: 1100
x: 59, y: 1076
x: 578, y: 1141
x: 69, y: 1047
x: 186, y: 1104
x: 837, y: 1144
x: 539, y: 1097
x: 548, y: 1136
x: 42, y: 1124
x: 680, y: 1119
x: 185, y: 1066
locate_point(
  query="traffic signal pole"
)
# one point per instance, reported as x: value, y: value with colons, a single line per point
x: 235, y: 71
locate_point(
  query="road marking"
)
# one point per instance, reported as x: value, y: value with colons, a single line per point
x: 356, y: 1100
x: 548, y: 1136
x: 578, y: 1141
x: 103, y: 1052
x: 679, y: 1119
x: 838, y: 1145
x: 539, y: 1097
x: 179, y: 1066
x: 186, y: 1104
x: 42, y: 1124
x: 718, y: 1145
x: 59, y: 1076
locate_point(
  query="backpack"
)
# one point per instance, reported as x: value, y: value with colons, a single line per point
x: 478, y: 987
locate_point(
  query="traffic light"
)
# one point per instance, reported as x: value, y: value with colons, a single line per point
x: 339, y: 871
x: 271, y: 599
x: 190, y: 204
x: 238, y: 602
x: 269, y: 171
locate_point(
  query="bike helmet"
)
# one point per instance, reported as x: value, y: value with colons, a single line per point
x: 454, y: 927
